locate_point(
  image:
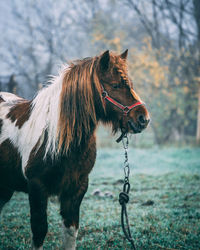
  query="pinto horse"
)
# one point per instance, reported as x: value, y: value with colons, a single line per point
x: 48, y: 144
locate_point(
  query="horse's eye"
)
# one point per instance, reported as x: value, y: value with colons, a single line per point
x: 116, y: 86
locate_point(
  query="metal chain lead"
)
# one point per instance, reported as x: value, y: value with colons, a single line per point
x: 124, y: 197
x: 126, y: 163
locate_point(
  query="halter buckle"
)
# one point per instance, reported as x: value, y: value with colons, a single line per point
x: 104, y: 94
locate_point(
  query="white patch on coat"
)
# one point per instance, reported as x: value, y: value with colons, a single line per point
x: 36, y: 248
x: 45, y: 113
x: 69, y: 237
x: 44, y: 117
x: 9, y: 97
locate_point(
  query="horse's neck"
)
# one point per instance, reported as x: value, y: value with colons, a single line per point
x: 46, y: 115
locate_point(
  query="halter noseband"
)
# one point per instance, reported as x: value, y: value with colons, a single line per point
x: 125, y: 109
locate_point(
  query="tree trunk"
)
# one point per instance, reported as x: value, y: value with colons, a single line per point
x: 196, y: 5
x: 198, y: 116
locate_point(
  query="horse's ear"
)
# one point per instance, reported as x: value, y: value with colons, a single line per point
x: 104, y: 60
x: 124, y: 54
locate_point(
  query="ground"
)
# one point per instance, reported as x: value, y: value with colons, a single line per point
x: 164, y: 207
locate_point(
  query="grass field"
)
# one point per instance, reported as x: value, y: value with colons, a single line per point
x: 169, y: 178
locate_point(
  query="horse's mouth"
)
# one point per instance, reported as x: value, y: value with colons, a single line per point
x: 135, y: 129
x: 132, y: 128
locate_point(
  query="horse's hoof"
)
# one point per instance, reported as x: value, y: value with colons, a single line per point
x: 36, y: 248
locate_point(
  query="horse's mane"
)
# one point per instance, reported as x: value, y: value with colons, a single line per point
x: 77, y: 107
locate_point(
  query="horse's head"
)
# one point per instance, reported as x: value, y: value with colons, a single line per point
x: 123, y: 107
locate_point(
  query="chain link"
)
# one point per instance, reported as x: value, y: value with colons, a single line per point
x: 126, y: 163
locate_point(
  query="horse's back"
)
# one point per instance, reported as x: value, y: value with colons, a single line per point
x: 10, y: 98
x: 7, y: 100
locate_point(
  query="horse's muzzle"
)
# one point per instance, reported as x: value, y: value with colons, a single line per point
x: 140, y: 125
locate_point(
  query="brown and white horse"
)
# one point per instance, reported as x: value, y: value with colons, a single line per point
x: 48, y: 145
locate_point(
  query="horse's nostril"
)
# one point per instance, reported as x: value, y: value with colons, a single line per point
x: 142, y: 120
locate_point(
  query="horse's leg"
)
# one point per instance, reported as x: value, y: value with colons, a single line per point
x: 70, y: 205
x: 5, y: 196
x: 38, y: 205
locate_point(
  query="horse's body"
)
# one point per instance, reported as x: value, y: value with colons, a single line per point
x: 48, y: 145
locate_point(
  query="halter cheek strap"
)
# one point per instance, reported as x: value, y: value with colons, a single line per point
x: 125, y: 109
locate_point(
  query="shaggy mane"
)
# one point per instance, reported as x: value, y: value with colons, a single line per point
x: 77, y: 108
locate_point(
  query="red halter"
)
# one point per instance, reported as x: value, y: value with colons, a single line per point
x: 125, y: 109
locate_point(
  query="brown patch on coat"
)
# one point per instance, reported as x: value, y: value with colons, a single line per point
x: 66, y: 170
x: 20, y: 113
x: 11, y: 176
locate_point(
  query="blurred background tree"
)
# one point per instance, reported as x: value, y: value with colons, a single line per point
x: 163, y: 37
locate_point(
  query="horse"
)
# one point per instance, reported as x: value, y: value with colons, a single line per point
x: 48, y: 144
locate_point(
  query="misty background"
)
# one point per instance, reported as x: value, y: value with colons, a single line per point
x: 163, y: 38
